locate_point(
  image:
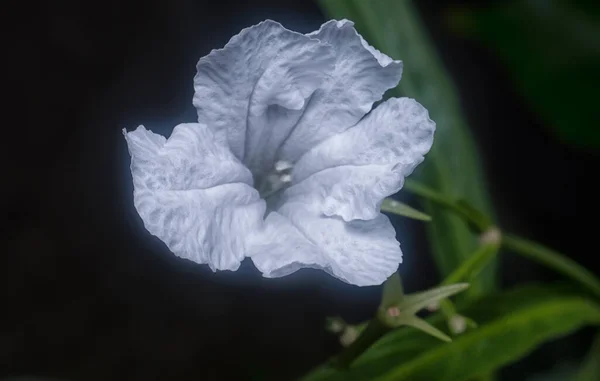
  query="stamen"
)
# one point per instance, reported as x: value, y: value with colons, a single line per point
x: 279, y: 177
x: 282, y: 165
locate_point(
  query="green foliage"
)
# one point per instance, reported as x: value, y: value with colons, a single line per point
x: 452, y: 166
x: 512, y: 324
x: 500, y: 342
x: 505, y: 326
x: 396, y: 310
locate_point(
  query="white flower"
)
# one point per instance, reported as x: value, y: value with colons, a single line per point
x: 281, y: 115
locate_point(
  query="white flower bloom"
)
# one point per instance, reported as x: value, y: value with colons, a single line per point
x: 281, y: 115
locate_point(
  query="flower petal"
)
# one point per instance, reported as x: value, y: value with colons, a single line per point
x: 361, y: 75
x: 255, y: 89
x: 193, y: 194
x: 362, y: 253
x: 349, y: 174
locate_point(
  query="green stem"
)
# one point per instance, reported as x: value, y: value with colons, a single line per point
x: 552, y: 259
x: 430, y: 194
x: 466, y: 212
x: 474, y: 264
x: 528, y: 249
x: 374, y: 330
x: 377, y: 327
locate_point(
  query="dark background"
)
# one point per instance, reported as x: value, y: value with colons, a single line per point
x: 87, y: 294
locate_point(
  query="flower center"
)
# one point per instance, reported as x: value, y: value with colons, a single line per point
x: 280, y: 177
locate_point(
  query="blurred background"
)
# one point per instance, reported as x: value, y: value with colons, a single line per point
x: 88, y: 294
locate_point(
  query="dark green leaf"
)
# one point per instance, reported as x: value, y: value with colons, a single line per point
x: 499, y: 342
x: 405, y: 345
x: 452, y: 166
x: 483, y: 310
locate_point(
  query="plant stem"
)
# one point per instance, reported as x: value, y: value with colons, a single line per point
x: 374, y: 330
x: 470, y: 267
x: 378, y: 327
x: 473, y: 217
x: 430, y: 194
x: 553, y: 259
x: 526, y: 248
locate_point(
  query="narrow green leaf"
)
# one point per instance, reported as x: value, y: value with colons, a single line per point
x: 392, y: 206
x: 453, y: 165
x: 422, y: 325
x: 479, y: 351
x: 415, y: 302
x: 483, y: 310
x: 392, y: 293
x: 498, y: 343
x: 406, y: 344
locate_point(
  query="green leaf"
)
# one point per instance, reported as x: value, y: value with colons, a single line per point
x: 393, y: 293
x: 500, y: 342
x: 392, y: 206
x: 453, y: 164
x: 550, y: 49
x: 484, y: 310
x: 405, y: 345
x: 411, y: 304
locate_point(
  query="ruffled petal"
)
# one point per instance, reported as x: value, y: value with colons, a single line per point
x: 361, y: 76
x: 349, y: 174
x: 362, y: 253
x: 194, y: 195
x: 254, y: 90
